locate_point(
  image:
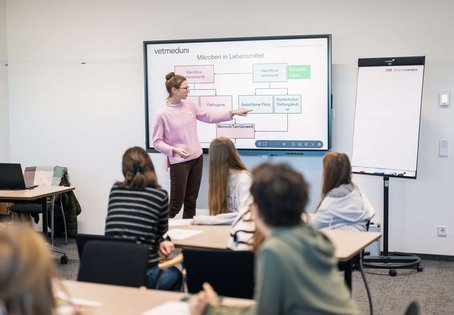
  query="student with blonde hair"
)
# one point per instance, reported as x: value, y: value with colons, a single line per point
x: 229, y: 197
x: 26, y: 272
x: 343, y: 205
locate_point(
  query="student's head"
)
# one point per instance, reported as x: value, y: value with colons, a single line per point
x: 223, y: 157
x: 176, y: 83
x: 26, y: 270
x: 280, y: 194
x: 337, y: 170
x: 138, y: 169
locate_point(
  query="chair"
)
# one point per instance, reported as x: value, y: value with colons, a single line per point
x: 412, y: 309
x: 82, y: 239
x: 43, y: 176
x: 231, y: 273
x: 114, y: 262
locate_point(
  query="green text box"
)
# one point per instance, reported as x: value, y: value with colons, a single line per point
x: 299, y: 72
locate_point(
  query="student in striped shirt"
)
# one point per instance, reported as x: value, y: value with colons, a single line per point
x: 138, y: 210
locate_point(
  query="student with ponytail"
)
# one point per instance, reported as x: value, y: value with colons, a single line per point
x: 138, y: 210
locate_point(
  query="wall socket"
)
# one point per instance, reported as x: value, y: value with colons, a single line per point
x: 442, y: 230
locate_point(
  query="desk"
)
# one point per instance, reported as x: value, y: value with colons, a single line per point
x: 347, y: 244
x: 125, y: 300
x: 39, y: 193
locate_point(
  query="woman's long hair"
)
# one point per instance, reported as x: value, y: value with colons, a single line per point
x: 337, y: 171
x: 26, y: 272
x: 223, y: 157
x: 138, y: 169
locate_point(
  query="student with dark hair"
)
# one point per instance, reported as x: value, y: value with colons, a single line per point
x: 175, y: 135
x: 296, y: 271
x: 229, y: 196
x: 342, y: 206
x: 138, y: 210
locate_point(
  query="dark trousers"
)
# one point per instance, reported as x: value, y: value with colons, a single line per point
x: 185, y: 181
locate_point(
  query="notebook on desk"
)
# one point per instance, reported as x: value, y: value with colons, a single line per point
x: 11, y: 177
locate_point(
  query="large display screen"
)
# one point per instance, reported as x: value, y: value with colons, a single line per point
x: 285, y: 81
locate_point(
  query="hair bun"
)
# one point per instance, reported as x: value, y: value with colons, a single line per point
x: 170, y: 75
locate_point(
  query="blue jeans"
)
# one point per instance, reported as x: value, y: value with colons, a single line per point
x: 170, y: 278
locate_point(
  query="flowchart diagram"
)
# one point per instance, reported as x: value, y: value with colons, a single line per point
x: 271, y: 106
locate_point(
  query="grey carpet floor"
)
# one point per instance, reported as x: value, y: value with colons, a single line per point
x: 432, y: 288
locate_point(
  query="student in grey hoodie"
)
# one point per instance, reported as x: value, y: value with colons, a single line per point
x: 343, y: 206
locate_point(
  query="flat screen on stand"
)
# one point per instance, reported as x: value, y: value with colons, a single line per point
x: 284, y: 80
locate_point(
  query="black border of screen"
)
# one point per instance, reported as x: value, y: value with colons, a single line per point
x: 247, y: 151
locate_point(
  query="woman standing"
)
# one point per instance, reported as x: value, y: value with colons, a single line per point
x: 175, y: 135
x: 343, y: 205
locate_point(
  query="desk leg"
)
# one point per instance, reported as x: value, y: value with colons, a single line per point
x: 348, y: 274
x: 44, y: 205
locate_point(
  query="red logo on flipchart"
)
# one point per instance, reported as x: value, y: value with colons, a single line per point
x: 388, y: 70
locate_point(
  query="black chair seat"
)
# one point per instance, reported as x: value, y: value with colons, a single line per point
x: 26, y: 208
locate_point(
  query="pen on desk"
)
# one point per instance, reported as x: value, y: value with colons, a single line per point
x: 379, y: 173
x: 188, y: 297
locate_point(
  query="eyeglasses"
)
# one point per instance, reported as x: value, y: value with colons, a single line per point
x: 184, y: 88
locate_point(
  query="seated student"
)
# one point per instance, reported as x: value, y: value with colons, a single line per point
x: 26, y: 272
x: 343, y: 205
x: 138, y: 209
x: 296, y: 271
x: 229, y: 197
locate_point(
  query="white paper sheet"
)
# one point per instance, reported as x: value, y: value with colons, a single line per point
x: 181, y: 234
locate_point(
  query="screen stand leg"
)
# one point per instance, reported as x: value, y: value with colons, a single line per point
x: 387, y: 260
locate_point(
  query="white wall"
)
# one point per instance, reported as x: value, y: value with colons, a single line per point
x: 85, y: 115
x: 4, y: 113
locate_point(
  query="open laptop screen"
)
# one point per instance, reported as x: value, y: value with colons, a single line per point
x: 11, y: 177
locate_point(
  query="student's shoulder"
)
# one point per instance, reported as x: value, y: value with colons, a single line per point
x: 156, y: 190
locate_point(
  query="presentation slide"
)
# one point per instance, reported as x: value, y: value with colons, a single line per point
x: 286, y: 82
x: 387, y: 119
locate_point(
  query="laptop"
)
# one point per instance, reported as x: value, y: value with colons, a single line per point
x: 11, y: 177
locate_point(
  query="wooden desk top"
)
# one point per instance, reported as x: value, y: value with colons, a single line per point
x: 347, y: 243
x: 124, y: 300
x: 35, y: 193
x: 213, y: 236
x: 350, y: 243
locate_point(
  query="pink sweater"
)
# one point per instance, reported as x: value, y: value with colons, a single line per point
x: 176, y: 126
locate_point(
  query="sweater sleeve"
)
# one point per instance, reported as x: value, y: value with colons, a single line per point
x: 244, y: 192
x: 163, y: 224
x: 267, y: 281
x: 158, y: 137
x: 322, y: 218
x: 212, y: 116
x: 220, y: 219
x: 230, y: 310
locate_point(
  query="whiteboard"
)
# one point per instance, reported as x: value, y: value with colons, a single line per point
x: 387, y: 116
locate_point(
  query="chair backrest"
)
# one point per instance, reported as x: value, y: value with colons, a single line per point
x: 114, y: 262
x: 412, y: 309
x: 231, y: 273
x: 82, y: 239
